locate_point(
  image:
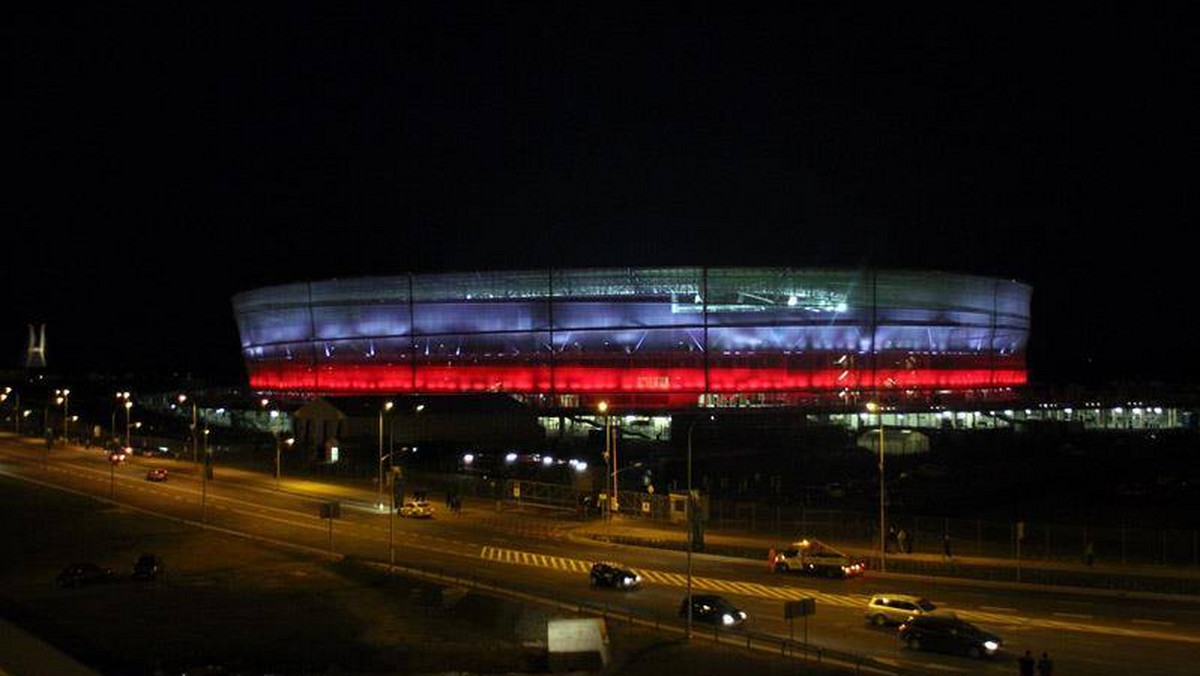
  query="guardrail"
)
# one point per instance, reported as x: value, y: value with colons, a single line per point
x: 750, y: 640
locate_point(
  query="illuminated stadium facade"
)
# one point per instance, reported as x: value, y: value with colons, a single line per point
x: 654, y: 337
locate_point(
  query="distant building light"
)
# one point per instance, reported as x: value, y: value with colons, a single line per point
x: 580, y: 466
x: 333, y: 453
x: 1157, y: 410
x: 468, y: 458
x: 547, y: 461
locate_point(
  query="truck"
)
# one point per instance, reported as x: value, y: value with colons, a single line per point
x: 810, y: 556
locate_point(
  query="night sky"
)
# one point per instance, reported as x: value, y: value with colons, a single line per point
x: 161, y: 159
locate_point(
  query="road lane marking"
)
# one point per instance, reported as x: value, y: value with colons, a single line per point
x: 1157, y: 623
x: 999, y: 608
x: 1077, y: 616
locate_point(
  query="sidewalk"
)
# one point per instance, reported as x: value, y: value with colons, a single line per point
x: 1172, y: 580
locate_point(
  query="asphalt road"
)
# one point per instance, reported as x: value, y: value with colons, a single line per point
x: 1092, y: 635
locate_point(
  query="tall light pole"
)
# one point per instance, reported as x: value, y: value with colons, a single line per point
x: 128, y: 405
x: 877, y: 409
x: 691, y: 525
x: 16, y: 407
x: 121, y: 396
x: 611, y: 473
x: 66, y: 397
x: 195, y: 431
x: 387, y: 406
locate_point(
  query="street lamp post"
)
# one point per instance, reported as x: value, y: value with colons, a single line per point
x: 16, y: 408
x: 195, y: 431
x: 66, y: 402
x: 387, y: 406
x: 878, y: 410
x: 128, y: 442
x: 691, y: 526
x: 609, y: 464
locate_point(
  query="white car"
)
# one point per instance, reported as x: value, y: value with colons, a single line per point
x: 899, y: 608
x: 417, y: 509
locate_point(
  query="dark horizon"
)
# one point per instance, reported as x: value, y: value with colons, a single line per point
x: 167, y: 160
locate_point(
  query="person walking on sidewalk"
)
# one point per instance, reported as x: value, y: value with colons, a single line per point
x: 1045, y: 666
x: 1025, y: 664
x: 902, y: 542
x: 946, y: 546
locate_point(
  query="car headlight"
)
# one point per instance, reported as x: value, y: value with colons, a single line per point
x: 727, y: 619
x: 992, y: 646
x: 628, y: 582
x: 742, y: 614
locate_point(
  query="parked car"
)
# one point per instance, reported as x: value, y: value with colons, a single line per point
x: 157, y: 474
x: 614, y: 575
x: 147, y: 567
x: 898, y: 608
x: 417, y: 509
x: 948, y: 635
x: 713, y: 609
x: 78, y: 574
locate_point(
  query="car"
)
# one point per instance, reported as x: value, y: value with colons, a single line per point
x: 157, y: 474
x: 813, y: 557
x: 147, y: 567
x: 119, y: 456
x: 417, y: 509
x: 948, y: 635
x: 79, y: 574
x: 613, y: 575
x: 898, y: 608
x: 713, y: 609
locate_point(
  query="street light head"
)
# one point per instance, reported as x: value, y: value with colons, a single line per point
x: 182, y: 398
x: 602, y: 407
x: 58, y: 400
x: 290, y: 441
x: 274, y: 413
x: 872, y: 406
x: 264, y: 402
x: 66, y: 393
x: 128, y: 405
x: 420, y: 407
x: 219, y: 411
x: 25, y: 413
x: 387, y: 405
x: 74, y: 418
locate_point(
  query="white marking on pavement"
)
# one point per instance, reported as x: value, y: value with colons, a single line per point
x: 1002, y: 609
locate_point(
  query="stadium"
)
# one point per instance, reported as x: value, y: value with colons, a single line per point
x: 672, y: 337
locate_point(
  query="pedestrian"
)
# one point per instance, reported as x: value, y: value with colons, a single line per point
x: 1045, y: 666
x: 902, y: 541
x: 1089, y: 554
x: 946, y: 546
x: 1025, y: 664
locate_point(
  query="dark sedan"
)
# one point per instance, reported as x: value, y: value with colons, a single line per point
x: 948, y: 635
x: 614, y: 575
x: 78, y: 574
x: 712, y: 609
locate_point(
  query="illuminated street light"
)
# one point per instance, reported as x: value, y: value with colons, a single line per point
x: 878, y: 410
x: 128, y: 405
x: 510, y: 458
x: 386, y: 408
